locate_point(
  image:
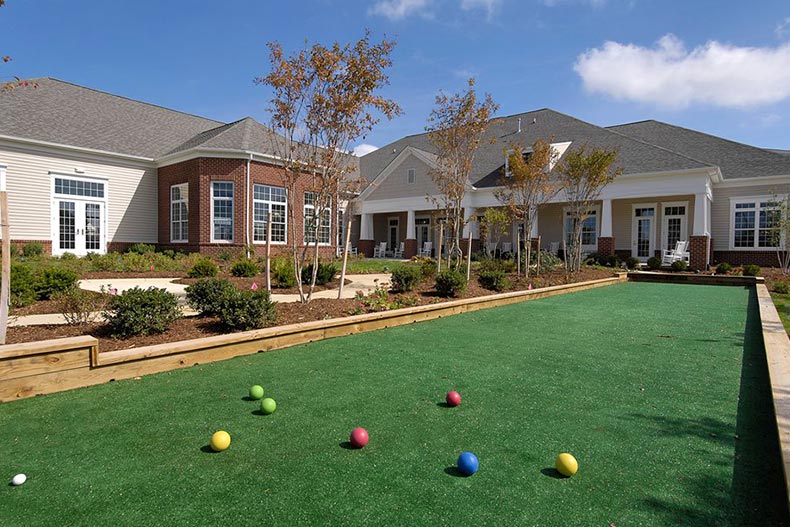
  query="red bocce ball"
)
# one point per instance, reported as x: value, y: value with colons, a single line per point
x: 453, y: 398
x: 359, y: 437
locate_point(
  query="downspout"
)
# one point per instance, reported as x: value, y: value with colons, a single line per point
x: 247, y: 210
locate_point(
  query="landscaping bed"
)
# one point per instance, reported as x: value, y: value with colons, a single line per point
x: 294, y: 312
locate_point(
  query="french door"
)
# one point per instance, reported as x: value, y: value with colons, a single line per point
x: 643, y: 232
x: 423, y: 226
x: 79, y: 227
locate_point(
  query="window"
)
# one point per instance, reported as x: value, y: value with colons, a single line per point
x: 589, y: 228
x: 179, y: 213
x: 78, y: 187
x: 411, y: 176
x: 674, y: 226
x: 755, y: 224
x: 222, y: 211
x: 525, y: 155
x: 324, y: 227
x: 268, y: 202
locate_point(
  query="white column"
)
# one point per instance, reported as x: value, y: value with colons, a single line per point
x: 701, y: 214
x: 471, y: 222
x: 606, y: 219
x: 411, y: 226
x: 366, y: 227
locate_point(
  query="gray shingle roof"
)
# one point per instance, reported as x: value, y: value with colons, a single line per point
x: 736, y: 160
x: 634, y: 156
x: 64, y: 113
x: 245, y: 134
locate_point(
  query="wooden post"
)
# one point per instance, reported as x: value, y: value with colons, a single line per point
x: 469, y: 257
x: 537, y: 268
x: 345, y: 257
x: 269, y: 252
x: 518, y: 252
x: 439, y: 250
x: 6, y: 269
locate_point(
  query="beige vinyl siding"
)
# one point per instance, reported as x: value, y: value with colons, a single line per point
x: 396, y: 185
x: 720, y: 209
x: 131, y: 189
x: 550, y: 224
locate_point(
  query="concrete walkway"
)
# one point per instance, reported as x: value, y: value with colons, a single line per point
x: 359, y: 282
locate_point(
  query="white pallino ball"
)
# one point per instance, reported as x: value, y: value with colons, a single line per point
x: 18, y: 479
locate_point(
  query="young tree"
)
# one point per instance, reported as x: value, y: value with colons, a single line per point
x: 583, y: 173
x: 324, y: 99
x: 778, y: 220
x: 526, y: 185
x: 493, y: 225
x: 455, y: 128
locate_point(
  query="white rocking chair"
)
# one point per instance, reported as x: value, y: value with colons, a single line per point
x: 380, y: 251
x: 427, y: 249
x: 679, y: 253
x: 398, y: 253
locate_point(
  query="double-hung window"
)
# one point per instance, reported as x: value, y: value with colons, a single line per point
x: 325, y: 225
x: 179, y: 213
x: 269, y: 202
x: 755, y: 223
x: 222, y: 211
x: 589, y: 228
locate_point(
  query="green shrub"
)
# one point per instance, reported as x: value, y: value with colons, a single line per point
x: 203, y: 269
x: 245, y: 268
x: 67, y: 256
x: 653, y: 263
x: 243, y: 310
x: 326, y: 273
x: 548, y: 260
x: 751, y: 270
x: 23, y: 286
x: 632, y: 262
x: 406, y: 278
x: 493, y: 280
x: 141, y: 312
x: 427, y: 266
x: 604, y: 260
x: 782, y: 287
x: 283, y: 272
x: 207, y: 295
x: 679, y: 265
x: 32, y: 250
x: 80, y: 307
x: 450, y: 283
x: 723, y: 268
x: 141, y: 248
x: 14, y: 251
x: 493, y: 264
x: 54, y: 280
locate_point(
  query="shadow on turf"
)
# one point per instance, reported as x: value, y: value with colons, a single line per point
x: 552, y: 473
x: 443, y: 405
x: 248, y: 398
x: 208, y: 450
x: 452, y: 470
x: 347, y: 445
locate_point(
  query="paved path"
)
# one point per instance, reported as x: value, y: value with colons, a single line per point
x: 359, y: 282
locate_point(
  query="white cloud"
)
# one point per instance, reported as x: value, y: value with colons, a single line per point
x: 671, y: 76
x: 489, y: 5
x: 770, y: 119
x: 783, y: 28
x: 399, y: 9
x: 591, y: 3
x: 362, y: 149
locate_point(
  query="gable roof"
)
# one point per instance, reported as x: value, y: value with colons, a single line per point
x: 244, y: 134
x: 736, y: 160
x: 635, y: 156
x: 63, y: 113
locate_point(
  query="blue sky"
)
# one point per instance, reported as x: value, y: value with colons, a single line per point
x: 719, y: 66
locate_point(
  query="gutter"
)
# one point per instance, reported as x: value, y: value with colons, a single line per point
x: 247, y: 205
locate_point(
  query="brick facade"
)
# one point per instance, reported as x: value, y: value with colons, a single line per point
x: 761, y: 258
x: 199, y: 174
x: 605, y: 245
x: 699, y: 249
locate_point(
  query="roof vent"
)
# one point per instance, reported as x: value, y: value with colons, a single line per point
x: 519, y: 126
x: 534, y: 120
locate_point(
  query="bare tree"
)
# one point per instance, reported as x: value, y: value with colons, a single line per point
x: 778, y: 220
x: 526, y: 185
x: 455, y: 128
x: 583, y: 173
x: 324, y: 99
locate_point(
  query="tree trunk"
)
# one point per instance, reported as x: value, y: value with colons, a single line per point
x: 528, y: 247
x: 439, y: 251
x: 469, y: 257
x: 537, y: 259
x: 345, y: 257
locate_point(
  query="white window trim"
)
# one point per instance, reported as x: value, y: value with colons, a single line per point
x: 270, y: 212
x: 105, y: 201
x: 184, y: 191
x: 665, y: 221
x: 305, y: 206
x: 233, y: 218
x: 411, y: 176
x: 597, y: 209
x: 397, y: 231
x: 731, y: 227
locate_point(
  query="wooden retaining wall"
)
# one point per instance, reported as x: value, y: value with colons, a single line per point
x: 697, y: 279
x: 49, y: 366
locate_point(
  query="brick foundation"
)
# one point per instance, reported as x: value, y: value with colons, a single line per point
x: 699, y: 249
x: 761, y: 258
x: 366, y: 247
x: 409, y: 248
x: 606, y: 246
x: 20, y: 245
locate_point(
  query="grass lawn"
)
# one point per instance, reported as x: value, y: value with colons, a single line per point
x: 660, y: 391
x: 371, y: 265
x: 782, y: 303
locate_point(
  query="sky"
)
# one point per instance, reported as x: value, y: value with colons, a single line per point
x: 718, y: 66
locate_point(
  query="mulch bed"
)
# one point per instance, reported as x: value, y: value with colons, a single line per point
x: 287, y: 313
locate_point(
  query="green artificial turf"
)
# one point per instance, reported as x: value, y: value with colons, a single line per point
x: 660, y: 391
